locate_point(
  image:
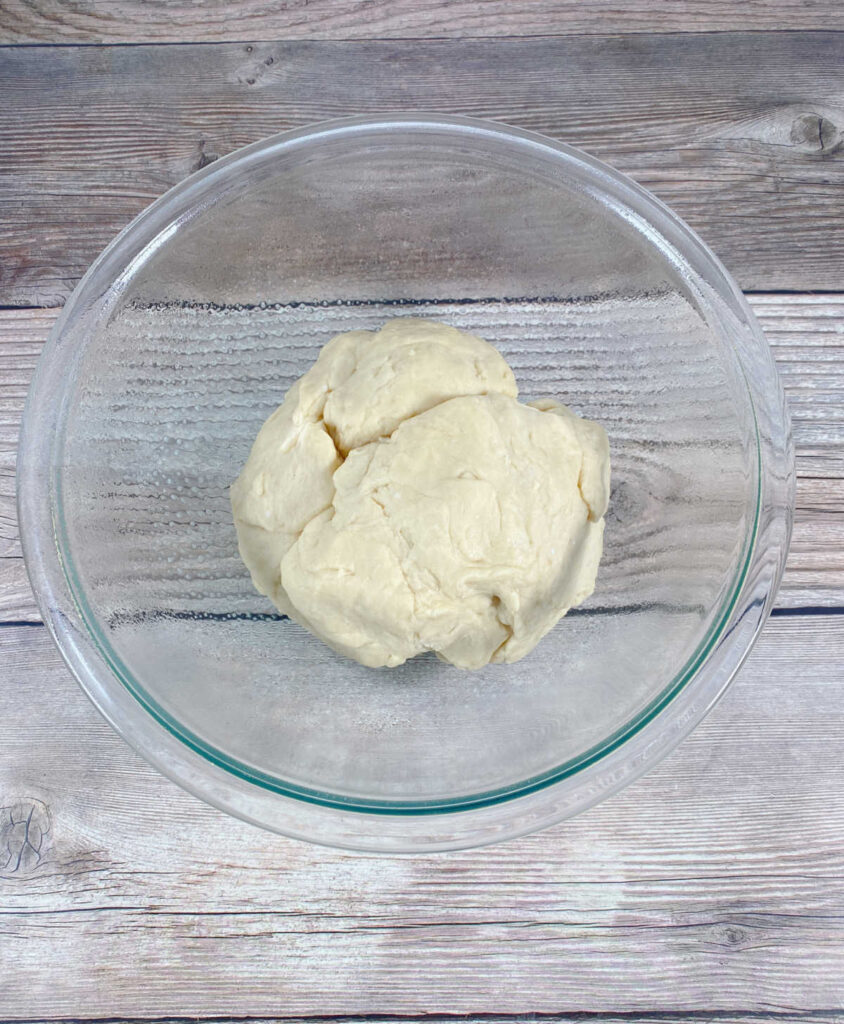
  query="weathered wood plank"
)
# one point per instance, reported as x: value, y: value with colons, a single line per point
x: 716, y: 883
x: 177, y: 21
x: 22, y: 333
x: 807, y: 335
x: 96, y: 133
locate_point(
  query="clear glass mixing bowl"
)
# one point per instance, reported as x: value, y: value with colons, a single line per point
x: 185, y: 335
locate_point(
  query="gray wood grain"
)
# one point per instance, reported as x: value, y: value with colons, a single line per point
x: 807, y: 335
x: 716, y: 883
x: 178, y: 21
x: 740, y: 132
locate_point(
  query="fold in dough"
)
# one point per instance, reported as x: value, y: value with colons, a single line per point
x: 401, y: 500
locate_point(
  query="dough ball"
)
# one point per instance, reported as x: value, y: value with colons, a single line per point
x: 401, y: 500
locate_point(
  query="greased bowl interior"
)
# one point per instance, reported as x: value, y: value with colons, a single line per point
x: 186, y: 334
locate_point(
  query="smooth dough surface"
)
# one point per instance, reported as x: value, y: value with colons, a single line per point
x: 402, y: 500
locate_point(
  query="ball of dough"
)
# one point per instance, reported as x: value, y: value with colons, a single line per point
x: 402, y: 500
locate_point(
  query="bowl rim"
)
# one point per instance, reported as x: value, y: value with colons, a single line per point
x: 413, y: 825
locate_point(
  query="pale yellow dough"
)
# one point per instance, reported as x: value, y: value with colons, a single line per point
x: 402, y: 500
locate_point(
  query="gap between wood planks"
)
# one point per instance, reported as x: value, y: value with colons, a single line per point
x: 71, y: 44
x: 584, y: 1017
x: 749, y: 294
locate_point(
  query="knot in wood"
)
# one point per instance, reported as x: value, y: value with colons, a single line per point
x: 25, y: 828
x: 816, y: 134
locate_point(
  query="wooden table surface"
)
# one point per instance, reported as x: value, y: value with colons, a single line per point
x: 713, y: 888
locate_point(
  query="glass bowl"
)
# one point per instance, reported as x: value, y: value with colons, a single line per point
x: 186, y: 333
